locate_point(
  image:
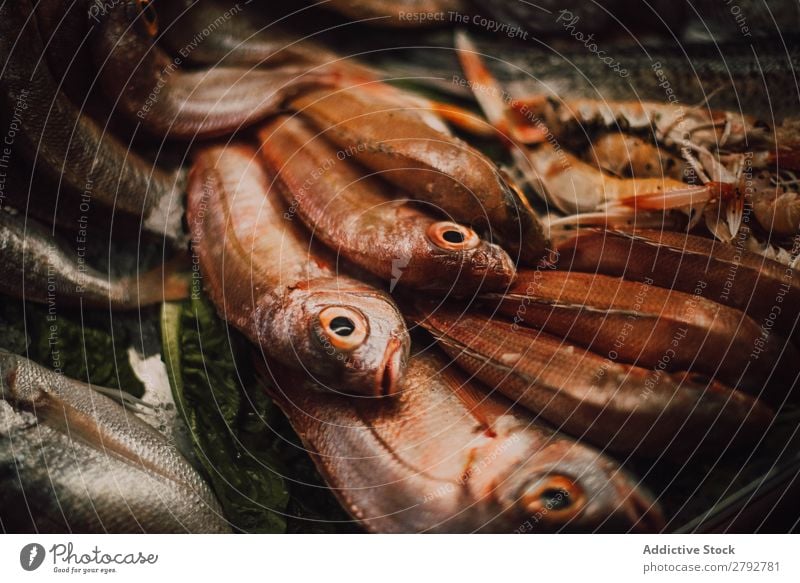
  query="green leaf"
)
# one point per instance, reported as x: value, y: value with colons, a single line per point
x: 239, y: 459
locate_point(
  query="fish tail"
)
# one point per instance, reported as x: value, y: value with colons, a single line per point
x: 165, y: 283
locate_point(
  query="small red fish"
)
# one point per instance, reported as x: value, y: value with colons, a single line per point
x: 268, y: 281
x: 391, y: 238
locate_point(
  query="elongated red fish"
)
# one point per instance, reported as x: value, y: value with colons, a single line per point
x: 351, y: 213
x: 650, y: 326
x: 623, y: 407
x: 443, y: 457
x: 266, y: 280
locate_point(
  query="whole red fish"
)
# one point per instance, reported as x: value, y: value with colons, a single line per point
x: 444, y: 457
x: 615, y: 405
x: 268, y: 281
x: 351, y: 213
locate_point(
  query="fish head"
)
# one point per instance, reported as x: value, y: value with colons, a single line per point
x: 568, y: 487
x: 481, y: 265
x: 351, y: 338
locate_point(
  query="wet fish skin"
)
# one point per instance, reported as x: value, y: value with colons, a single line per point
x: 452, y: 177
x: 69, y: 151
x: 73, y: 460
x: 350, y: 212
x: 644, y: 324
x: 152, y: 88
x: 615, y: 405
x: 36, y: 266
x: 444, y: 457
x: 284, y: 294
x: 242, y: 36
x: 732, y: 276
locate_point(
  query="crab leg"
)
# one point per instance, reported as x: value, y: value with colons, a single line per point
x: 558, y: 176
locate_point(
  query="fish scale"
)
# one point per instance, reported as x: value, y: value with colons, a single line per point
x: 459, y: 182
x: 732, y: 276
x: 74, y: 448
x: 68, y: 148
x: 37, y: 267
x: 349, y: 212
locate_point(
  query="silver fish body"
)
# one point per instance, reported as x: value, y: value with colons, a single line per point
x: 73, y: 460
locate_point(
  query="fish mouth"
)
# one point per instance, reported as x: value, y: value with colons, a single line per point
x: 390, y: 370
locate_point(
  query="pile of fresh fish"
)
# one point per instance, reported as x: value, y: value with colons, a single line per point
x: 453, y: 358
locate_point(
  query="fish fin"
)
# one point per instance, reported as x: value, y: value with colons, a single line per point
x: 166, y: 283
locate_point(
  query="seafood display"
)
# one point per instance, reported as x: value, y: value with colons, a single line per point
x: 620, y: 406
x: 264, y: 274
x: 38, y: 267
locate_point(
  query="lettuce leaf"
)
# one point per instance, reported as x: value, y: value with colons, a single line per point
x: 208, y: 386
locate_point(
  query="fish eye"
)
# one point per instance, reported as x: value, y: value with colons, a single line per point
x: 557, y: 496
x: 344, y: 328
x: 452, y: 236
x: 148, y: 16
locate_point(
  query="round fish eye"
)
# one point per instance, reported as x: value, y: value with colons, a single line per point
x: 452, y: 236
x: 555, y: 495
x: 148, y: 17
x: 344, y: 328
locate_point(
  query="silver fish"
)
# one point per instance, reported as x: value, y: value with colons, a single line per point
x: 73, y: 460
